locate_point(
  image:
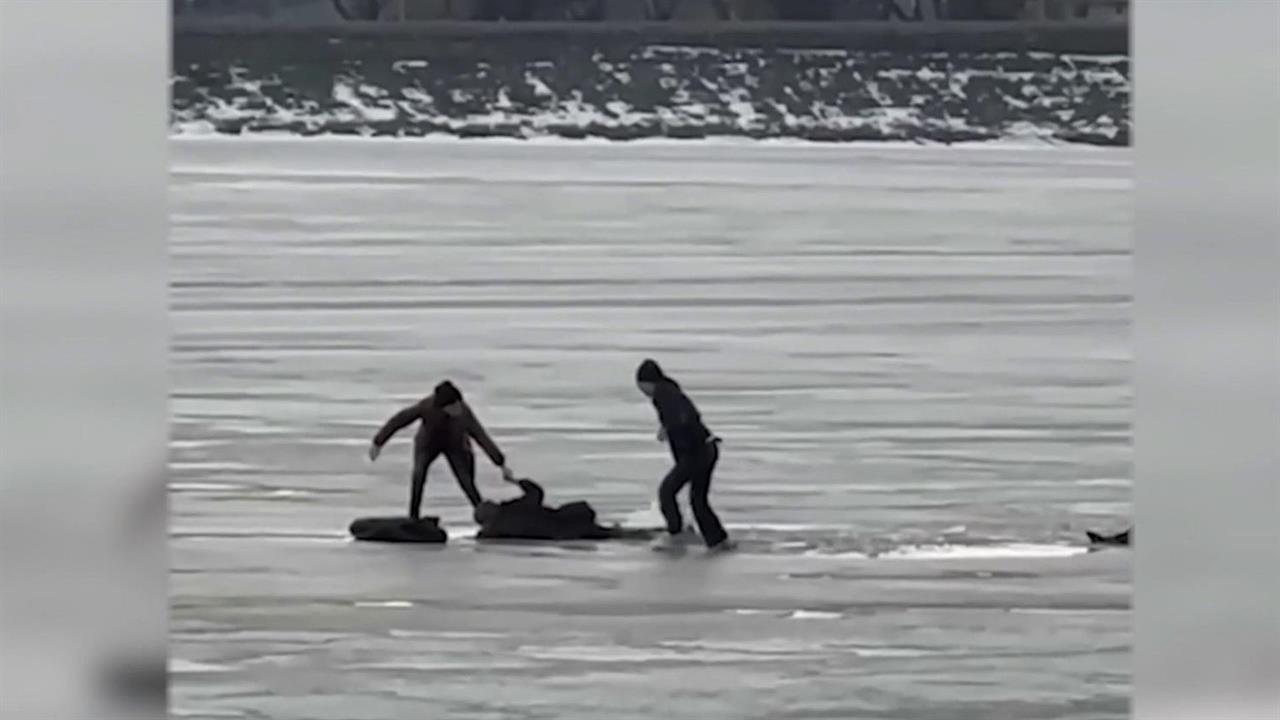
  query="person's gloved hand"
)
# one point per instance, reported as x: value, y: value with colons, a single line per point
x: 374, y: 451
x: 662, y: 434
x: 508, y: 475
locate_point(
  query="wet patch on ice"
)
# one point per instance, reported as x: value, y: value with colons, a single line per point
x: 982, y: 552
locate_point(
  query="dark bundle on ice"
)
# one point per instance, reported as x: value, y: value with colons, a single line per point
x: 527, y: 518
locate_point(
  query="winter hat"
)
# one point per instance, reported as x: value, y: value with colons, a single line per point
x: 445, y: 394
x: 650, y: 372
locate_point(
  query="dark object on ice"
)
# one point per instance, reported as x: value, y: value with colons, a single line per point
x: 399, y: 529
x: 1117, y: 539
x: 527, y: 518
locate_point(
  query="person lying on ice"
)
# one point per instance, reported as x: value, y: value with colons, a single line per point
x: 528, y: 518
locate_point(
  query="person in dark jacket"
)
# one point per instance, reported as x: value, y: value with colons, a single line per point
x: 447, y: 426
x: 695, y: 451
x: 527, y: 518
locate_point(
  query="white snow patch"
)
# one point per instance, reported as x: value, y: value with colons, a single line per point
x: 814, y: 615
x: 539, y: 87
x: 402, y: 65
x: 344, y: 93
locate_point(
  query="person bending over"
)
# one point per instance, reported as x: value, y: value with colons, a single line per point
x: 446, y: 427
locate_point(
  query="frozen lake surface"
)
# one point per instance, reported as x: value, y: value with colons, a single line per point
x: 918, y: 358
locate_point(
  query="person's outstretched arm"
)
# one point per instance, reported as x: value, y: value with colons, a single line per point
x: 395, y: 424
x: 477, y: 431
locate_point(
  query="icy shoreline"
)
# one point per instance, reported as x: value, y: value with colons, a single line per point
x: 657, y: 91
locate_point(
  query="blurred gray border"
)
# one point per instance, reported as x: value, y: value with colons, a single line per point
x: 1207, y: 426
x: 83, y: 358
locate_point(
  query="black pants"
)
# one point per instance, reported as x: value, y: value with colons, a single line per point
x: 461, y: 461
x: 693, y: 469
